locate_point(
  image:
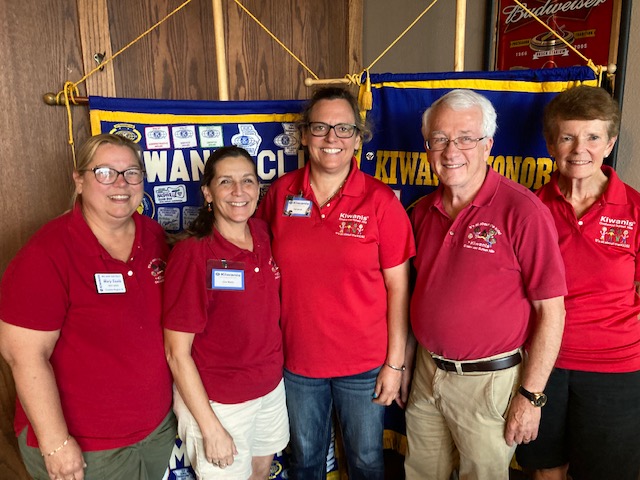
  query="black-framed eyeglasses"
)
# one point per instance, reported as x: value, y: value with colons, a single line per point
x: 342, y: 130
x: 436, y: 144
x: 108, y: 175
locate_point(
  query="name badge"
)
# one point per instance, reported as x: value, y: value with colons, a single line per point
x: 110, y: 283
x: 223, y: 275
x: 297, y: 207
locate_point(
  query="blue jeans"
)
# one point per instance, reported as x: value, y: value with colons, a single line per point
x: 310, y: 402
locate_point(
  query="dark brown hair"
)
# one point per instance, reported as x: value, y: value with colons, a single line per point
x: 336, y: 93
x: 202, y: 226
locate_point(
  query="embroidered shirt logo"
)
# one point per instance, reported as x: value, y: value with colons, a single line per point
x: 615, y: 231
x: 157, y: 266
x: 482, y: 236
x: 274, y: 268
x: 352, y: 225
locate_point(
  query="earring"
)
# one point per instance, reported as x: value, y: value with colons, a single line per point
x: 209, y: 207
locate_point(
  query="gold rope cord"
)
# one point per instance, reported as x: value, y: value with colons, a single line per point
x: 596, y: 69
x: 401, y: 35
x: 70, y: 89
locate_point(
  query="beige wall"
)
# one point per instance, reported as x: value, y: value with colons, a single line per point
x: 428, y: 47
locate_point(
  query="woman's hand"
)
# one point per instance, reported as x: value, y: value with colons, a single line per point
x: 220, y: 448
x: 387, y: 385
x: 28, y: 352
x: 67, y: 463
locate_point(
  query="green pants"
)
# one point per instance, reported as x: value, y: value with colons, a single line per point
x: 146, y: 460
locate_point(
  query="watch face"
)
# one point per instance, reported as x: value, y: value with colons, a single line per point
x: 536, y: 399
x: 540, y: 400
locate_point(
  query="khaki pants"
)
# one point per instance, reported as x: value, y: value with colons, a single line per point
x: 146, y: 460
x: 457, y: 421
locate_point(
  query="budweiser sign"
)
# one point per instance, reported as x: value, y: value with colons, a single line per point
x: 524, y: 43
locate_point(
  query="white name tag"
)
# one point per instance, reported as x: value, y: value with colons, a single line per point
x: 297, y: 207
x: 227, y: 279
x: 110, y: 283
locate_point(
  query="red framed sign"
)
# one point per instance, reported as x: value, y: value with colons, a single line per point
x: 523, y: 43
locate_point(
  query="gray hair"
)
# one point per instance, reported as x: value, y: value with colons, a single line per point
x: 462, y: 99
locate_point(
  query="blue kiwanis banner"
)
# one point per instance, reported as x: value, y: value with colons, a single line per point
x: 396, y: 155
x: 177, y: 136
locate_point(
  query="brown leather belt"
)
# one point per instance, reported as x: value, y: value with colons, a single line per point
x: 484, y: 366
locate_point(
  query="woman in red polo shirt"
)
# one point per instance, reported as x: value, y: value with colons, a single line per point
x: 81, y: 308
x: 222, y: 332
x: 591, y: 421
x: 343, y: 241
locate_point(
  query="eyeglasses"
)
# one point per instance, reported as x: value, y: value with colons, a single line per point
x: 436, y: 144
x: 342, y: 130
x: 108, y: 175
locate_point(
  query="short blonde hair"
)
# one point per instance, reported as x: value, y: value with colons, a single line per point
x: 88, y: 150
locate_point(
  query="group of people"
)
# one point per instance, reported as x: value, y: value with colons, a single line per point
x: 272, y: 320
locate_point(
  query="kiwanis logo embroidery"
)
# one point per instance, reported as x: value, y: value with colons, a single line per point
x: 156, y: 267
x: 274, y: 268
x: 615, y: 231
x: 482, y: 236
x: 352, y: 225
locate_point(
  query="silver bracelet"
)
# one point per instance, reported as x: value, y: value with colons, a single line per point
x: 64, y: 444
x: 397, y: 369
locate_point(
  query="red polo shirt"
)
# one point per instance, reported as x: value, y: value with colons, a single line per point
x: 600, y: 251
x: 334, y: 300
x: 238, y: 344
x: 477, y: 274
x: 109, y: 363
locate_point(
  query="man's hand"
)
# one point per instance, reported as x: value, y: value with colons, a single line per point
x: 523, y: 420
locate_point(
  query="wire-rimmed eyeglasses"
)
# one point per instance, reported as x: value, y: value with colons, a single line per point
x: 342, y: 130
x: 436, y: 144
x: 108, y: 175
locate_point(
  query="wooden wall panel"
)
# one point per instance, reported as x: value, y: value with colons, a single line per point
x: 95, y: 41
x: 175, y: 61
x: 42, y: 48
x: 314, y: 31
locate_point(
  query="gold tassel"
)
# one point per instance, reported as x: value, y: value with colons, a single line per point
x: 367, y: 97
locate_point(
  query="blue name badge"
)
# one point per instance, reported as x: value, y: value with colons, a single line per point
x: 297, y: 207
x: 223, y: 275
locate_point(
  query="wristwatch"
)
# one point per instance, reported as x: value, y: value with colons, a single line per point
x: 536, y: 399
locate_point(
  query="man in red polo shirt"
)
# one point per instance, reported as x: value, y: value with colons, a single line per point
x: 490, y: 285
